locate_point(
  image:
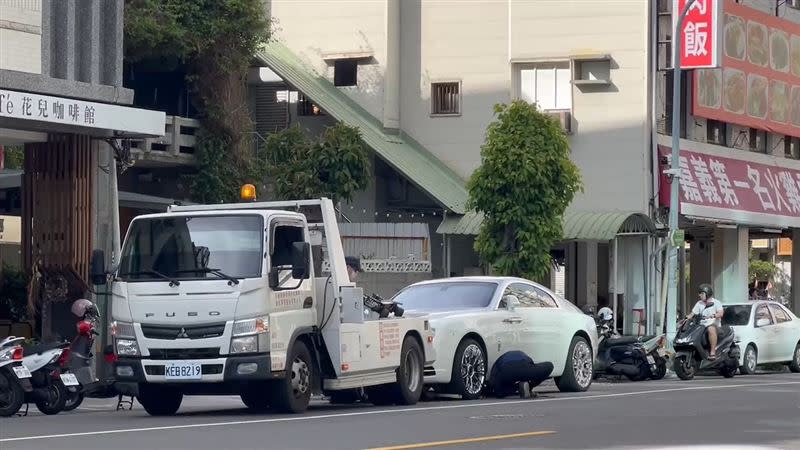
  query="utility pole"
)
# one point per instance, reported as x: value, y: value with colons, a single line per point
x: 674, y: 173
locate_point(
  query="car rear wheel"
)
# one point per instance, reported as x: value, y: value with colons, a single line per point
x: 750, y: 360
x: 794, y: 366
x: 577, y: 376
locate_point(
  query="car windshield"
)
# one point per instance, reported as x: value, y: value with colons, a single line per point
x: 447, y: 295
x: 193, y: 247
x: 737, y: 315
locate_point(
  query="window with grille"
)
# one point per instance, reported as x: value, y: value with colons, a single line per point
x: 446, y: 98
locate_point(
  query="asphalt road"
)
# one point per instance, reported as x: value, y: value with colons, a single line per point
x: 759, y: 410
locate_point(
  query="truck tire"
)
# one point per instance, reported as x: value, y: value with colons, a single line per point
x: 159, y: 400
x: 56, y: 399
x: 293, y: 393
x: 11, y: 394
x: 579, y: 370
x: 408, y: 388
x: 256, y: 397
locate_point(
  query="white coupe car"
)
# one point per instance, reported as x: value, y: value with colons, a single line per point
x: 767, y: 332
x: 477, y: 319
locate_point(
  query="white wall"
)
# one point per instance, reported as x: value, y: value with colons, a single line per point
x: 21, y: 35
x: 474, y: 42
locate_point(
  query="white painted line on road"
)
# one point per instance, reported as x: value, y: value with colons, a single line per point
x: 390, y: 411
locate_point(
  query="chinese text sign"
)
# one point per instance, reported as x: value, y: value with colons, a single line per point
x: 700, y: 35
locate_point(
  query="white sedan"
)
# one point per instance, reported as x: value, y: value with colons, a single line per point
x: 767, y: 333
x: 478, y: 319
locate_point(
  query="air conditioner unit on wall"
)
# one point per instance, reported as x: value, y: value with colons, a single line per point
x: 564, y: 117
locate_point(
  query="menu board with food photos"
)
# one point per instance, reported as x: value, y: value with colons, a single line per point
x: 758, y: 85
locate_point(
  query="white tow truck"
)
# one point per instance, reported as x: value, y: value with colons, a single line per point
x: 230, y: 299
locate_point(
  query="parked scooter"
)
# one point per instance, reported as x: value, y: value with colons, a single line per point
x: 49, y: 392
x: 79, y: 362
x: 636, y: 357
x: 14, y: 377
x: 692, y: 349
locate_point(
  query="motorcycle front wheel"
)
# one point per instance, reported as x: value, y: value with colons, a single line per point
x: 56, y: 399
x: 661, y: 369
x: 685, y: 368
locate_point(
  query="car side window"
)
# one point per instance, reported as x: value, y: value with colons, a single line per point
x: 763, y: 313
x: 780, y: 314
x: 530, y: 296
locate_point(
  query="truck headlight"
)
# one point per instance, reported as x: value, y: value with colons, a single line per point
x: 123, y: 330
x: 246, y: 344
x: 251, y: 326
x: 127, y: 347
x: 250, y: 335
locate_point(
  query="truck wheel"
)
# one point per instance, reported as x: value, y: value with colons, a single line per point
x: 11, y: 394
x: 577, y: 376
x: 159, y: 400
x: 55, y: 401
x: 256, y: 397
x: 293, y: 392
x: 410, y: 381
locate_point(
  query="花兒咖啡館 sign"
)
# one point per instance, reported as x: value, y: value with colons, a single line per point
x: 758, y: 85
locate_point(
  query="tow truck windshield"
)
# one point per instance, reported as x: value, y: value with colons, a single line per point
x: 175, y: 248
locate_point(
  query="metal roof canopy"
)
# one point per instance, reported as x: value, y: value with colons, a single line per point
x: 406, y: 156
x: 577, y: 225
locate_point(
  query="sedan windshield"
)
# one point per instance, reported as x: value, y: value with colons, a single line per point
x: 736, y: 315
x: 184, y: 247
x: 447, y: 295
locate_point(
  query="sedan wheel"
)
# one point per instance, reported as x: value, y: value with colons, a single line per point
x: 578, y: 374
x: 750, y: 361
x: 469, y: 370
x: 794, y: 366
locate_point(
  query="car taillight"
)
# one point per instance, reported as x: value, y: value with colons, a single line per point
x: 64, y: 358
x: 17, y: 354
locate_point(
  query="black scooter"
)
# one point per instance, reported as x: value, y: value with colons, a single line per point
x: 636, y: 357
x: 692, y: 349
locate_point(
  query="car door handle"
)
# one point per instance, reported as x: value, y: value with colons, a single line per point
x: 513, y: 320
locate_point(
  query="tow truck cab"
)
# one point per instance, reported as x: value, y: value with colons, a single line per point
x: 224, y: 299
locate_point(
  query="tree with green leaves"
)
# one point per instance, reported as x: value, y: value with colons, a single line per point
x: 337, y: 166
x: 523, y: 186
x: 214, y: 40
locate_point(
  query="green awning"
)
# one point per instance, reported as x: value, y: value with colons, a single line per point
x: 406, y: 156
x: 578, y: 225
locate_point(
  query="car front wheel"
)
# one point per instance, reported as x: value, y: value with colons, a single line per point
x: 750, y: 361
x: 469, y: 370
x: 578, y: 372
x: 794, y: 366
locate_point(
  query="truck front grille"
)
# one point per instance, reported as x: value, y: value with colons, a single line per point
x: 170, y: 333
x: 183, y: 353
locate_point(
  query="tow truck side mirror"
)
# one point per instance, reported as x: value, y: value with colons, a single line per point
x: 98, y: 268
x: 301, y: 259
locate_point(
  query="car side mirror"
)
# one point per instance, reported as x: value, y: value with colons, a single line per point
x: 511, y: 302
x: 301, y: 257
x: 98, y: 268
x: 762, y: 322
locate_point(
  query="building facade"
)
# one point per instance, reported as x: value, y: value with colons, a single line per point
x: 63, y: 101
x: 427, y: 73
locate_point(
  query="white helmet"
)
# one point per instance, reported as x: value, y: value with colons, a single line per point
x: 605, y: 313
x: 82, y: 307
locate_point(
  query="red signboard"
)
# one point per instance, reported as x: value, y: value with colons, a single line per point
x: 758, y: 85
x: 737, y: 190
x: 700, y: 35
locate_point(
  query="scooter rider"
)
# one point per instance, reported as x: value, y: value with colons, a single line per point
x: 711, y: 310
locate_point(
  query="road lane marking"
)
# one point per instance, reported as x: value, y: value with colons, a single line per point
x: 389, y: 411
x: 496, y: 437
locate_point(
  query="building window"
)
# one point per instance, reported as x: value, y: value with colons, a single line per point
x: 345, y: 72
x: 757, y: 140
x: 716, y: 132
x: 549, y: 85
x: 446, y: 98
x: 791, y: 147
